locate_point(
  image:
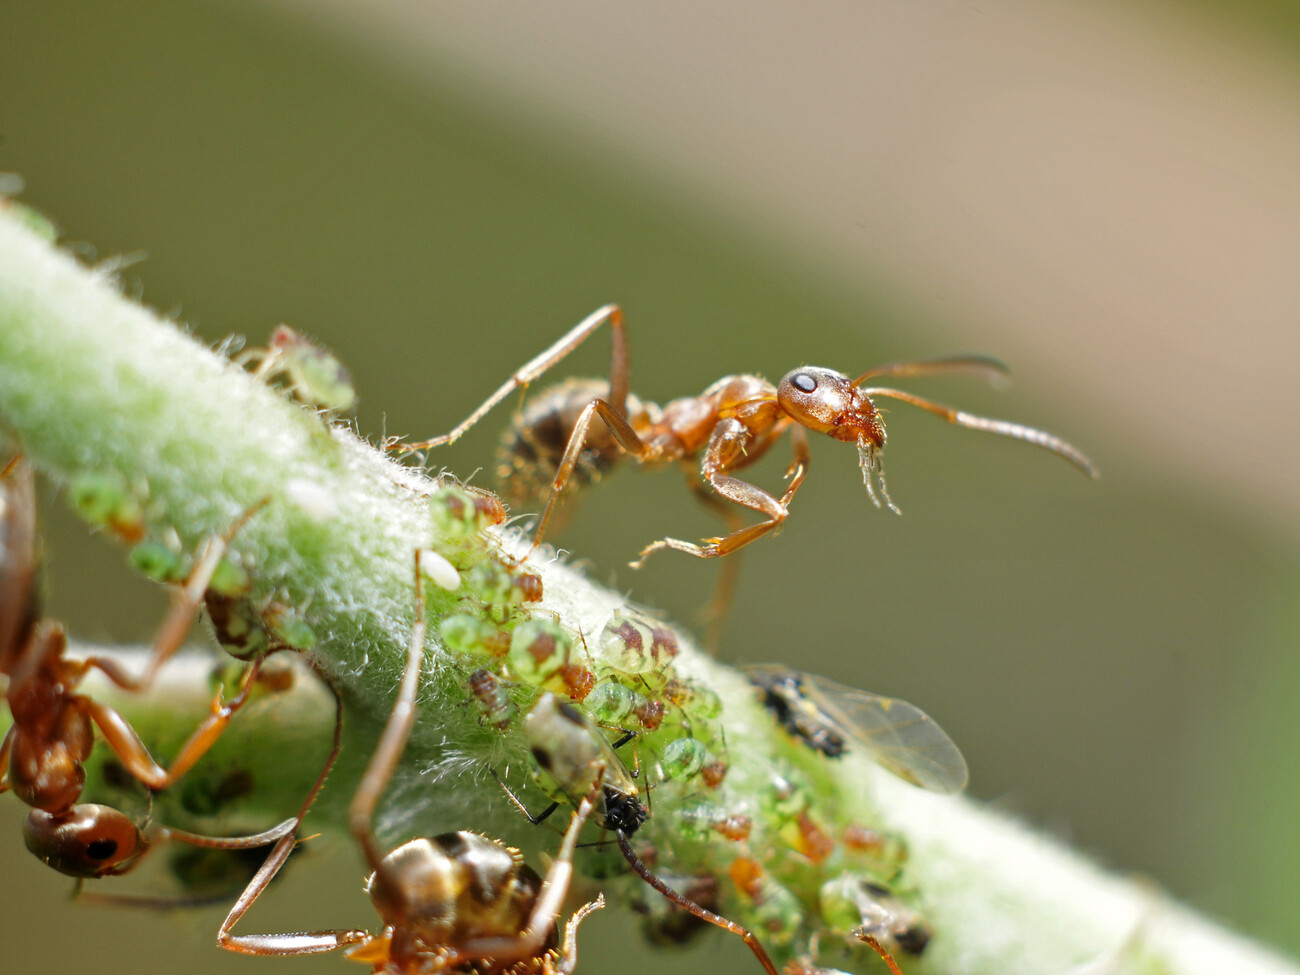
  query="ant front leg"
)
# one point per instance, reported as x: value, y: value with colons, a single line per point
x: 728, y: 441
x: 536, y: 367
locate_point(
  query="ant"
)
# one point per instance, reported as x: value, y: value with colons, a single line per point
x: 726, y: 428
x: 458, y: 902
x: 732, y: 424
x: 53, y: 729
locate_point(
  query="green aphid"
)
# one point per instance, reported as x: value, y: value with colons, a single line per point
x: 497, y: 585
x: 105, y: 500
x: 852, y: 905
x: 610, y: 703
x: 158, y: 562
x: 238, y: 626
x: 693, y: 820
x: 229, y: 579
x: 469, y: 634
x: 538, y: 649
x: 683, y: 758
x: 699, y: 702
x: 313, y: 373
x: 783, y: 799
x: 632, y: 643
x: 776, y: 912
x: 458, y: 512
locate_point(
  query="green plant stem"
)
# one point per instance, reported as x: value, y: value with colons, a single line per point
x: 92, y: 382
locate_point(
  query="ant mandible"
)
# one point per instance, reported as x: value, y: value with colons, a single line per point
x: 731, y: 424
x: 460, y: 902
x: 52, y: 732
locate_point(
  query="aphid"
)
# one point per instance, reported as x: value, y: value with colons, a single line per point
x: 827, y: 716
x: 683, y: 758
x: 538, y: 648
x: 459, y: 511
x: 493, y: 698
x: 872, y: 914
x: 458, y: 903
x: 573, y: 752
x: 729, y: 426
x: 313, y: 374
x: 713, y: 774
x: 632, y: 643
x: 775, y: 908
x: 53, y: 728
x: 736, y: 827
x: 499, y: 585
x: 469, y: 634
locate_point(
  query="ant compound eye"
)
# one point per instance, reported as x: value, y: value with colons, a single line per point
x: 803, y: 382
x: 542, y: 757
x: 100, y: 850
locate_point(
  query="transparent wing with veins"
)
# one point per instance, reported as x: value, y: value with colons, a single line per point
x: 898, y: 735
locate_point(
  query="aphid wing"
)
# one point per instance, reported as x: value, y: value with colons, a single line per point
x: 898, y: 735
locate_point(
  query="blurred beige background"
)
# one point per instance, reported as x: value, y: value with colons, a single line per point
x: 1106, y: 196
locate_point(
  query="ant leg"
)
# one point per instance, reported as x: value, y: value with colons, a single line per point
x: 569, y: 947
x: 535, y: 367
x: 303, y: 943
x: 742, y: 493
x: 704, y: 914
x: 541, y: 920
x: 714, y: 613
x: 880, y: 949
x: 5, y: 747
x: 391, y: 743
x: 126, y: 743
x: 178, y: 622
x: 623, y: 433
x: 1004, y: 428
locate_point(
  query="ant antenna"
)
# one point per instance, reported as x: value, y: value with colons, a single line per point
x: 703, y: 913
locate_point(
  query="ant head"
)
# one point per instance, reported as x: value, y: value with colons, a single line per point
x: 86, y: 841
x: 828, y: 402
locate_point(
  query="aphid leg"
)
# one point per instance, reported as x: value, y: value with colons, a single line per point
x: 622, y: 431
x: 536, y: 367
x: 1004, y: 428
x: 541, y: 920
x: 704, y: 914
x: 537, y: 820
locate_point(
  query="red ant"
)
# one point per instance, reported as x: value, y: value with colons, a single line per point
x: 460, y: 902
x: 53, y: 726
x: 727, y: 427
x: 733, y: 423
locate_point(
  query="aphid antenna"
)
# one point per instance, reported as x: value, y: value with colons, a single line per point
x: 703, y: 913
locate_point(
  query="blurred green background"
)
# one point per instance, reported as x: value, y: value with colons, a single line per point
x: 438, y: 192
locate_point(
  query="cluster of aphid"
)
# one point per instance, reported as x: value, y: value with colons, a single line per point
x: 756, y: 846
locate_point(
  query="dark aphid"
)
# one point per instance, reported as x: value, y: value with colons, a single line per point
x: 827, y: 716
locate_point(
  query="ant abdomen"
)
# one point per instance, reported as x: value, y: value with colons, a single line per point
x: 87, y: 841
x: 532, y: 447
